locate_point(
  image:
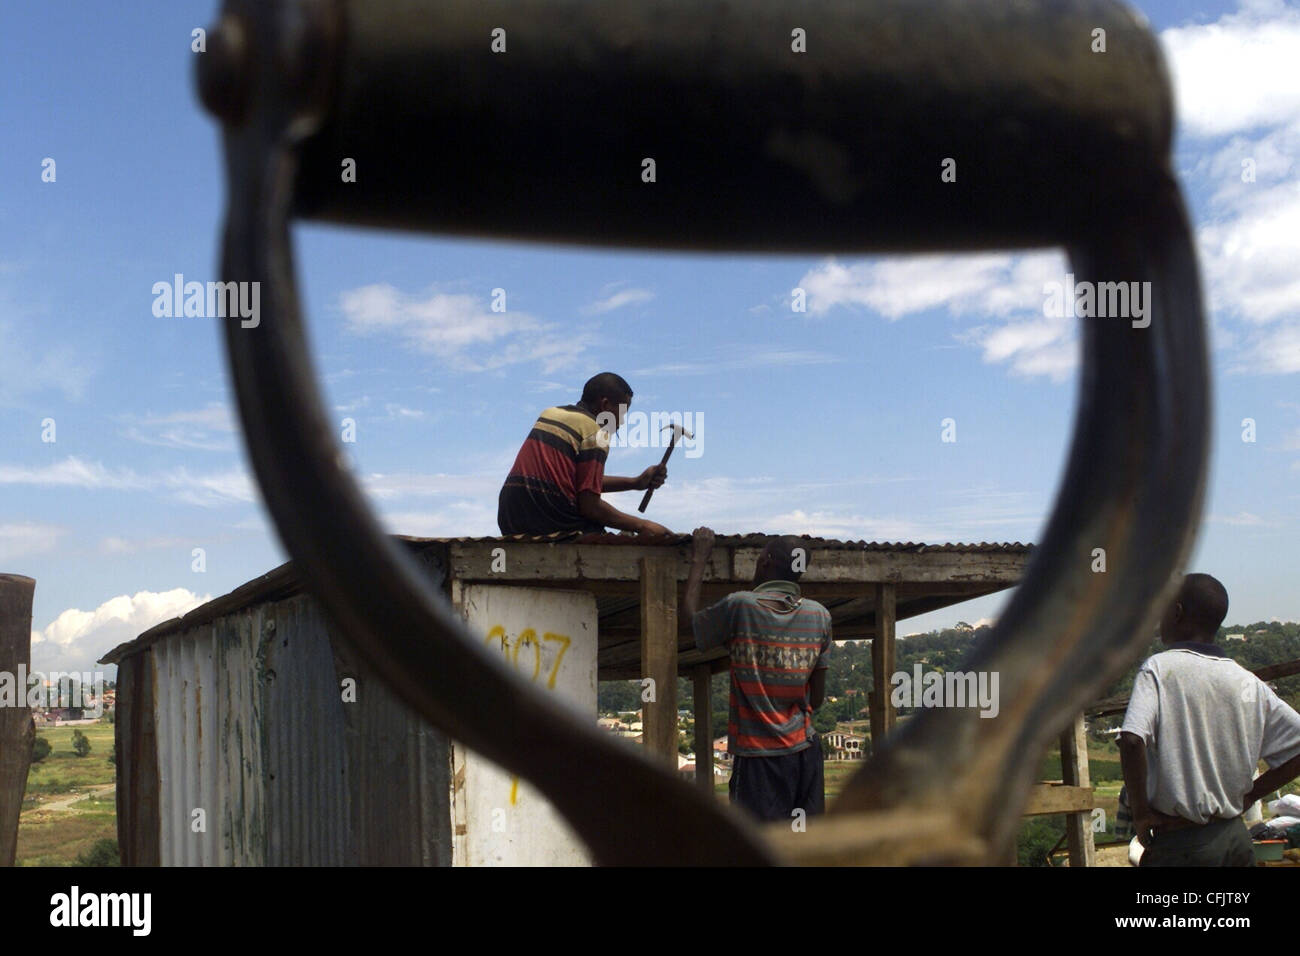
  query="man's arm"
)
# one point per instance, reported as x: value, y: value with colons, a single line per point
x: 711, y: 626
x: 1133, y: 764
x: 701, y: 547
x: 817, y: 687
x: 592, y: 507
x: 1281, y: 736
x: 652, y: 477
x: 1274, y: 779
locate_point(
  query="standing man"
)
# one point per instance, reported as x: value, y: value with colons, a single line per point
x: 559, y: 473
x: 779, y: 642
x: 1197, y: 725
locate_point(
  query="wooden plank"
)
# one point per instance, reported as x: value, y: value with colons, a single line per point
x: 702, y: 675
x: 883, y: 664
x: 16, y: 729
x: 659, y: 657
x: 1074, y: 773
x: 1047, y: 798
x: 1118, y: 705
x: 592, y: 563
x: 135, y: 741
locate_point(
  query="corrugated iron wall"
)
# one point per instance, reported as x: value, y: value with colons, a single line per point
x: 251, y: 728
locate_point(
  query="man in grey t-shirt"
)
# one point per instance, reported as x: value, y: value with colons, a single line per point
x: 1197, y: 725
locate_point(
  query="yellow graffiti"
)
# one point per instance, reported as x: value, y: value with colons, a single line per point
x: 528, y: 637
x: 564, y: 641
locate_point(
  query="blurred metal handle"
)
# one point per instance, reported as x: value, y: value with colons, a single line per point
x: 753, y: 147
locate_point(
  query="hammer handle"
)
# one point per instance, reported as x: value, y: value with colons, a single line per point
x: 645, y: 499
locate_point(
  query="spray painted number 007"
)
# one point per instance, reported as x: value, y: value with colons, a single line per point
x: 528, y: 638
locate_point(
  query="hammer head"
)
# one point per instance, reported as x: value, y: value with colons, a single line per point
x: 678, y: 430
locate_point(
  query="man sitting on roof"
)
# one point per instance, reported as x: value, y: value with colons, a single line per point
x: 779, y: 643
x: 559, y: 473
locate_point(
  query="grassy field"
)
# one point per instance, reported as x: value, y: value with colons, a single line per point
x: 56, y: 827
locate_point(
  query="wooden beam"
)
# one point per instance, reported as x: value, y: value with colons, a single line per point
x: 883, y: 664
x: 17, y: 731
x: 1048, y: 798
x: 558, y: 564
x: 1118, y: 705
x: 659, y: 656
x: 1074, y: 773
x: 702, y: 674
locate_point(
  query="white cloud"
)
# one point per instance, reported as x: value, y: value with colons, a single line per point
x: 1251, y: 251
x: 1275, y: 351
x: 1242, y: 519
x: 38, y: 368
x: 1005, y: 287
x: 205, y: 429
x: 216, y: 488
x: 117, y: 545
x: 1237, y: 73
x: 844, y: 527
x: 413, y: 484
x: 453, y: 520
x: 617, y: 300
x: 738, y: 359
x: 1237, y: 83
x: 460, y: 328
x: 76, y: 639
x: 28, y: 537
x: 899, y: 286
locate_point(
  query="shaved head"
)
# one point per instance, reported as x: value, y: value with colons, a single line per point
x: 784, y: 558
x: 1196, y: 611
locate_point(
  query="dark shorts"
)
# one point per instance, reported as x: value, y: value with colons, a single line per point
x: 772, y: 788
x: 1222, y: 843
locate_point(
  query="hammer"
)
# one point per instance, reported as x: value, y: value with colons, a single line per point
x: 678, y: 431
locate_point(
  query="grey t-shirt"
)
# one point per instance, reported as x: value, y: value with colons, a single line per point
x: 1206, y: 722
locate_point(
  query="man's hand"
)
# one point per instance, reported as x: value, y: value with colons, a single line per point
x: 651, y: 527
x: 702, y: 542
x: 652, y: 477
x: 1149, y: 821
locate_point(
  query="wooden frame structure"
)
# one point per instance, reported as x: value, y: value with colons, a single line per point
x: 868, y: 587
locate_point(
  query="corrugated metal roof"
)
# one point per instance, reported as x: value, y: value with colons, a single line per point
x: 283, y: 581
x: 755, y: 540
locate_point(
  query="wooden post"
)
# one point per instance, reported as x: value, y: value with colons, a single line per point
x: 1074, y: 773
x: 16, y: 728
x: 659, y: 656
x: 703, y: 675
x: 882, y: 664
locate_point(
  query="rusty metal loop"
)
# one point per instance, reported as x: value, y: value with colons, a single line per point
x: 808, y: 154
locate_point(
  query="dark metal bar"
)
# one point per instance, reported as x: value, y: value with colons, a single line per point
x: 756, y: 149
x: 1133, y: 487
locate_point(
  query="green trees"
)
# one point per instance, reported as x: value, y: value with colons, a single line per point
x: 80, y: 744
x: 40, y: 749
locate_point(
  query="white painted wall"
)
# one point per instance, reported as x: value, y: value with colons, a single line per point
x: 550, y: 638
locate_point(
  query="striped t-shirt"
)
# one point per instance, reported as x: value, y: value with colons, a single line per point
x: 776, y: 640
x: 563, y: 455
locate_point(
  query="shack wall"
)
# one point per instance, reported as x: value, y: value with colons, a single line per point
x: 549, y: 636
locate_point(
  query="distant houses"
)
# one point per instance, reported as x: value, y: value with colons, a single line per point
x: 845, y: 745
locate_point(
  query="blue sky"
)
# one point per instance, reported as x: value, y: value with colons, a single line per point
x: 826, y: 422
